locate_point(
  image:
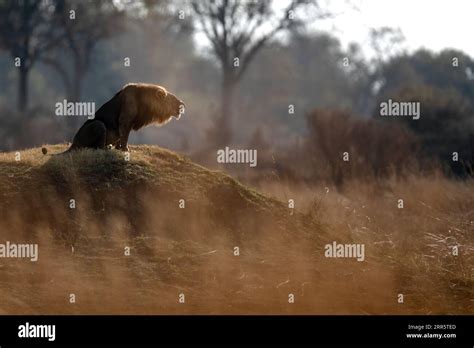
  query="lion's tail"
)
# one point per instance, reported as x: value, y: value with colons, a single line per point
x: 44, y: 150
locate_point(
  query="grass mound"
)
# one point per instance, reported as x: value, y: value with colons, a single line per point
x: 134, y: 234
x: 91, y: 207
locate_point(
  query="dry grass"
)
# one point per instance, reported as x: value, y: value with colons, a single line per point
x: 414, y: 244
x: 136, y: 203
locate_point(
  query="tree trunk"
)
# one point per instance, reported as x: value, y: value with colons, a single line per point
x: 221, y: 132
x: 75, y: 94
x: 77, y: 83
x: 23, y: 89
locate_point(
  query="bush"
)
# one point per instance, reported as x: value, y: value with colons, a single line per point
x: 446, y: 125
x: 374, y: 149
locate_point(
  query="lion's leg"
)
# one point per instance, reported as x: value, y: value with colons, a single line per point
x: 124, y: 131
x: 91, y: 135
x: 126, y: 119
x: 113, y: 138
x: 98, y: 134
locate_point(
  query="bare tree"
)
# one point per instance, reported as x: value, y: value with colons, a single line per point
x: 27, y: 32
x: 84, y: 24
x: 237, y: 30
x: 386, y: 42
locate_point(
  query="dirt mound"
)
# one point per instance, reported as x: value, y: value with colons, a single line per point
x: 148, y: 227
x: 158, y: 234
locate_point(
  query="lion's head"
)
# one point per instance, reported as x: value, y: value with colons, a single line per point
x: 177, y: 106
x: 174, y: 107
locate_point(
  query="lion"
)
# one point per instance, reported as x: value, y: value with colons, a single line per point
x: 135, y: 106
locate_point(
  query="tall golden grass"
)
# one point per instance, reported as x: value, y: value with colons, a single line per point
x: 191, y: 251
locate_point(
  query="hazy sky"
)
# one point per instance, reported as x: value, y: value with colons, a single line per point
x: 434, y: 24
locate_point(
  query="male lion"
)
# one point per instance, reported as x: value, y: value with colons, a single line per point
x: 135, y: 106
